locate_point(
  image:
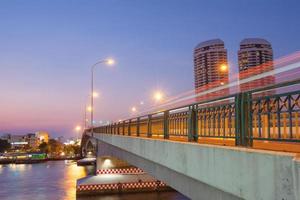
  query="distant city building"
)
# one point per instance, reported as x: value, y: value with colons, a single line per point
x: 210, y: 65
x: 255, y: 52
x: 32, y: 141
x: 60, y: 139
x: 17, y: 141
x: 5, y: 136
x: 42, y: 136
x: 20, y: 141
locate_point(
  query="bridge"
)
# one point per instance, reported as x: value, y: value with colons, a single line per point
x: 242, y: 146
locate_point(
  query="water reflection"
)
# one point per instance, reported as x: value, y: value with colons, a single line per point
x: 73, y: 171
x: 49, y: 180
x: 56, y: 180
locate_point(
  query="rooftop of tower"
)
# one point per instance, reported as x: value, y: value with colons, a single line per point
x: 209, y: 43
x: 254, y: 41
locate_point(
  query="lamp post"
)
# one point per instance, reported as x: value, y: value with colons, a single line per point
x: 108, y: 62
x: 78, y: 129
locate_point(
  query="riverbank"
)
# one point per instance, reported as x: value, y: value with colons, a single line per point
x: 31, y: 159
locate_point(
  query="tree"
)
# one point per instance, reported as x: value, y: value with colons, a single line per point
x: 55, y: 147
x: 44, y: 147
x: 68, y: 149
x: 72, y: 150
x: 4, y: 145
x: 77, y: 149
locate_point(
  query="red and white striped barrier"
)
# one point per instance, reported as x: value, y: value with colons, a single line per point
x: 120, y: 186
x: 97, y: 187
x: 132, y: 170
x: 152, y: 184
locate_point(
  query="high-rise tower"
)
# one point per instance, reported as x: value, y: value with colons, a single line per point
x: 255, y: 56
x: 210, y: 64
x: 209, y: 57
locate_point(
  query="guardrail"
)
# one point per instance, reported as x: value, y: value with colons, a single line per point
x: 265, y: 114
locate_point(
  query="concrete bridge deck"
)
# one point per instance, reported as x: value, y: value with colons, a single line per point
x: 202, y: 171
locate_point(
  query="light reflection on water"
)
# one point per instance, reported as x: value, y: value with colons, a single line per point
x: 49, y: 180
x: 56, y: 180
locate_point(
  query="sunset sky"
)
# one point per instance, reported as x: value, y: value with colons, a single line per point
x: 47, y: 48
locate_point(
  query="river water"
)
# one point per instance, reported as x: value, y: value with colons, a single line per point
x: 56, y: 180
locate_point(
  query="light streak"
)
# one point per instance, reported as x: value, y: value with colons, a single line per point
x: 281, y: 69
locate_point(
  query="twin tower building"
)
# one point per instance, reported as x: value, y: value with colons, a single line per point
x: 211, y: 66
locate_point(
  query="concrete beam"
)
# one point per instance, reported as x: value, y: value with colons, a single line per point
x: 186, y: 185
x: 202, y: 171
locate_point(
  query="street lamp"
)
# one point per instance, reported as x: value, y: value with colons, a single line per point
x: 108, y: 61
x: 158, y: 96
x: 95, y: 94
x: 224, y: 68
x: 89, y: 108
x: 78, y: 128
x: 133, y: 109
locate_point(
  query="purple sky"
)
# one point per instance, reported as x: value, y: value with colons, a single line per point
x: 47, y: 47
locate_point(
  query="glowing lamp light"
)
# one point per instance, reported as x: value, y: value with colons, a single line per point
x: 133, y: 109
x: 158, y: 96
x: 223, y: 68
x: 89, y: 108
x: 95, y: 94
x: 78, y: 128
x: 110, y: 61
x: 107, y: 163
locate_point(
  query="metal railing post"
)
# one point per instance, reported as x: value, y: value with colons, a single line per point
x: 149, y: 132
x: 246, y: 111
x: 166, y: 125
x: 238, y: 120
x: 138, y: 127
x: 118, y: 128
x: 192, y: 120
x: 242, y: 118
x: 123, y: 127
x: 129, y: 128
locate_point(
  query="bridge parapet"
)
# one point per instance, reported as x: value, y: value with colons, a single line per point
x: 250, y: 119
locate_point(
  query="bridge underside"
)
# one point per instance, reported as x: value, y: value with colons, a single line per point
x: 207, y: 171
x: 186, y: 185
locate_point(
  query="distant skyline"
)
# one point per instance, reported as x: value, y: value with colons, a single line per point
x: 47, y: 48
